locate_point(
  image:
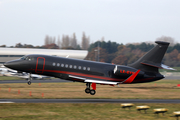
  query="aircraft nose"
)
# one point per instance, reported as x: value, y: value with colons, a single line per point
x: 11, y: 64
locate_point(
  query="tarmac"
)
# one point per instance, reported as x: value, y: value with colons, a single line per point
x: 60, y: 80
x: 33, y: 81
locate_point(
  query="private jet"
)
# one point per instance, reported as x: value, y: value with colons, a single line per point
x: 145, y: 69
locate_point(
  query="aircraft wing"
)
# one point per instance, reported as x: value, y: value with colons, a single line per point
x: 126, y: 81
x: 93, y: 81
x: 101, y: 82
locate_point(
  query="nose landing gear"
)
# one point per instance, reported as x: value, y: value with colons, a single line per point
x: 29, y: 79
x: 88, y: 90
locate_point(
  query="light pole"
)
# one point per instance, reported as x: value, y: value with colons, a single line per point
x: 95, y: 51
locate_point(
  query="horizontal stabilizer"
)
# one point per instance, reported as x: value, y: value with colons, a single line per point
x: 161, y: 66
x: 166, y: 67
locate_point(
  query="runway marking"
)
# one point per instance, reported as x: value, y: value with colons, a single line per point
x: 6, y: 102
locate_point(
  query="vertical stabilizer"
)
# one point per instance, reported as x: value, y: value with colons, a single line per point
x: 151, y: 61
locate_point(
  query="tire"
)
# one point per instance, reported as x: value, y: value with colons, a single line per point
x: 29, y: 82
x: 92, y: 92
x: 87, y: 90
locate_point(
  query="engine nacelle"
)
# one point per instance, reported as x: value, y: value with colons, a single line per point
x: 125, y: 71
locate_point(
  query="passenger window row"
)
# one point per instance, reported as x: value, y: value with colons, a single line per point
x: 71, y: 66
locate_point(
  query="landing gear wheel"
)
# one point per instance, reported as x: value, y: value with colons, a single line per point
x: 29, y: 82
x: 29, y: 79
x: 92, y: 92
x: 87, y: 90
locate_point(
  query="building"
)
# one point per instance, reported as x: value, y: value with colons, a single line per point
x: 7, y: 54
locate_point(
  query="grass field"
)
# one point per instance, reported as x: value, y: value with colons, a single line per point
x: 177, y: 69
x: 64, y: 111
x: 163, y: 89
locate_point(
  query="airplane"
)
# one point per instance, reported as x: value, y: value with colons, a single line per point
x: 9, y: 72
x: 145, y: 69
x: 6, y: 72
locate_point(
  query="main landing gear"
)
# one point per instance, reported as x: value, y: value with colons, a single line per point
x: 29, y: 79
x: 88, y: 90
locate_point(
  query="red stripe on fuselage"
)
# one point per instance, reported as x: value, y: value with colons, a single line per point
x: 84, y: 75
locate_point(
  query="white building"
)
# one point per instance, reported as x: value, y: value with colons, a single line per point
x: 7, y: 54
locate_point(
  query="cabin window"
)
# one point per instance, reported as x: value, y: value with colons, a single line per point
x: 58, y: 64
x: 79, y: 67
x: 66, y: 66
x: 84, y: 68
x: 54, y: 64
x: 88, y: 68
x: 70, y: 66
x: 62, y: 65
x: 75, y: 67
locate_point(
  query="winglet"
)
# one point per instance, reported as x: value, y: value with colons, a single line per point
x: 131, y: 78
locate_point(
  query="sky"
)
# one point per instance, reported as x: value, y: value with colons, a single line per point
x: 121, y: 21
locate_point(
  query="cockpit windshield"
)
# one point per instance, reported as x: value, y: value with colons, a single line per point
x: 28, y: 58
x: 23, y: 58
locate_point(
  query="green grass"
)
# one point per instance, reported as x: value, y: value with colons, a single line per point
x: 69, y: 111
x: 177, y: 69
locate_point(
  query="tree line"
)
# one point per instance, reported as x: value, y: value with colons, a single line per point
x: 110, y: 52
x: 65, y: 42
x: 68, y: 42
x: 115, y: 53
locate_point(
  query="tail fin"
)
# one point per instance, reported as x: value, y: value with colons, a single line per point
x: 151, y: 61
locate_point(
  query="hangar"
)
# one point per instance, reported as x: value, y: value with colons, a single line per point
x: 7, y: 54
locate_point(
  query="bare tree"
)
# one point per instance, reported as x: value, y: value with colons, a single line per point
x: 50, y: 40
x: 65, y: 41
x: 102, y: 39
x: 85, y: 42
x: 59, y: 42
x: 73, y: 41
x: 167, y: 39
x: 46, y: 40
x: 53, y: 40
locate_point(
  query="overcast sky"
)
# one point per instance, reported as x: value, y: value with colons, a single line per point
x: 122, y: 21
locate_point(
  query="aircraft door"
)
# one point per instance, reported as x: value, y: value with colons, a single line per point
x: 40, y: 65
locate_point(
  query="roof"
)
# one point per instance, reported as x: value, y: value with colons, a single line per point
x: 79, y: 54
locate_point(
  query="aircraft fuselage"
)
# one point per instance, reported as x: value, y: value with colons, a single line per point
x: 63, y: 67
x: 145, y: 69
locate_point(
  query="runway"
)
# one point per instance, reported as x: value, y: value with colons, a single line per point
x: 55, y: 80
x: 88, y: 101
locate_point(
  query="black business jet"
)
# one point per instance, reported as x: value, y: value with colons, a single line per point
x: 146, y: 69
